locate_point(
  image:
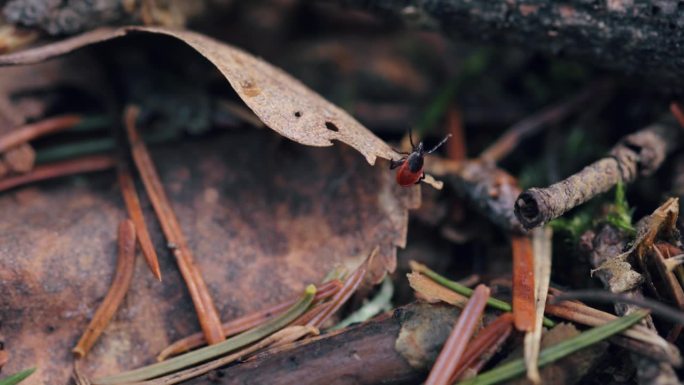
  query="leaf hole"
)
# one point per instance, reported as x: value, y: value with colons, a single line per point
x: 331, y: 126
x: 298, y: 114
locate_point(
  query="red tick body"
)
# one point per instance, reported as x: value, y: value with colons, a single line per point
x: 411, y: 166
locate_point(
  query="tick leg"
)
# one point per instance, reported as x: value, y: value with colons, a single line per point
x: 422, y: 176
x: 396, y: 163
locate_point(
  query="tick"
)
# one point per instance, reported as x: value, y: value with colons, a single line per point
x: 411, y: 164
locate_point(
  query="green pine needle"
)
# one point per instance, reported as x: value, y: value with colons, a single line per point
x: 17, y: 378
x: 517, y: 367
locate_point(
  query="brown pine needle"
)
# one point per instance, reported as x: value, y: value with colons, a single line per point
x: 122, y: 280
x: 32, y: 131
x: 455, y: 345
x: 58, y: 169
x: 523, y: 283
x: 204, y: 306
x: 135, y: 212
x: 483, y: 347
x: 342, y: 296
x: 248, y: 321
x: 678, y: 112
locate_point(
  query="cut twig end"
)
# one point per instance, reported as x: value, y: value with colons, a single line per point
x: 527, y: 210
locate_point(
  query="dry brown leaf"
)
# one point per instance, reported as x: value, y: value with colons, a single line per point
x: 431, y: 291
x: 261, y: 229
x: 280, y: 101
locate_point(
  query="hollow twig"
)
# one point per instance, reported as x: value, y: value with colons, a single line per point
x: 455, y: 345
x: 204, y: 306
x: 58, y: 169
x: 638, y: 154
x: 535, y: 123
x: 32, y: 131
x: 122, y: 280
x: 246, y: 322
x: 135, y: 212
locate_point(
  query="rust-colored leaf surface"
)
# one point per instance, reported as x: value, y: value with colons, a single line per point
x: 261, y: 227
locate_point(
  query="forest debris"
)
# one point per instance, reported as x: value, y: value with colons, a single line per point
x: 491, y: 190
x: 535, y: 122
x: 672, y: 285
x: 590, y: 337
x: 276, y: 224
x: 371, y: 353
x: 213, y: 351
x: 35, y: 130
x: 20, y: 159
x: 637, y: 154
x: 466, y: 291
x: 483, y: 347
x: 381, y: 302
x: 122, y: 280
x: 13, y: 38
x: 342, y: 296
x: 678, y: 112
x: 541, y: 244
x: 430, y: 291
x: 57, y: 169
x: 286, y: 335
x: 246, y: 322
x: 455, y: 345
x: 655, y: 307
x: 617, y: 275
x: 571, y: 369
x: 523, y: 283
x: 281, y: 102
x: 130, y: 197
x: 204, y: 305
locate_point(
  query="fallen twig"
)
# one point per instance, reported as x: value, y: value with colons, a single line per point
x: 132, y: 202
x: 204, y: 306
x: 125, y: 266
x: 637, y: 154
x: 58, y: 169
x: 453, y: 349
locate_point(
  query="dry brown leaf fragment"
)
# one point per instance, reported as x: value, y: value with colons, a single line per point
x: 431, y: 291
x: 283, y: 103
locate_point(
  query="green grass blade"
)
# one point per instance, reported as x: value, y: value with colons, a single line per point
x: 17, y: 378
x: 517, y: 367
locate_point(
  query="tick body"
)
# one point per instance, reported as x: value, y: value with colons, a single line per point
x: 411, y: 165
